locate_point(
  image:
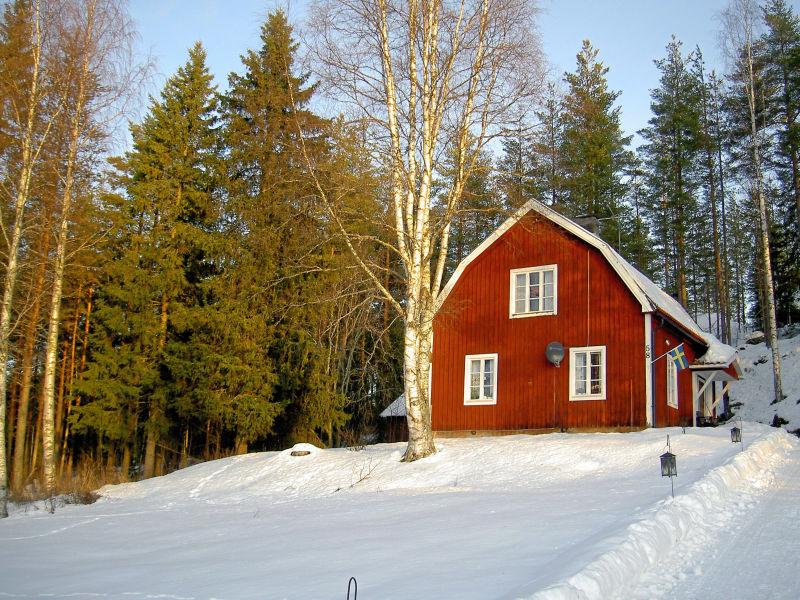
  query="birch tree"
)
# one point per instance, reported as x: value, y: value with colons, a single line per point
x: 96, y: 52
x: 25, y: 89
x: 431, y: 79
x: 740, y: 19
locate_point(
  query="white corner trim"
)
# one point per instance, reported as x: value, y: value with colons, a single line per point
x: 648, y: 368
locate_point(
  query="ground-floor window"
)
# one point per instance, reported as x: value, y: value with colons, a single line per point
x: 480, y: 379
x: 587, y: 374
x: 672, y: 384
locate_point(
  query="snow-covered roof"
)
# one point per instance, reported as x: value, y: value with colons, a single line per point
x: 651, y: 297
x: 396, y: 408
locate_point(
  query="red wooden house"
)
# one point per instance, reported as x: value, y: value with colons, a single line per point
x: 542, y: 278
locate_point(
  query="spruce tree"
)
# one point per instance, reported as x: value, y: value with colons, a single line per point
x: 593, y: 149
x: 279, y: 263
x: 151, y: 298
x: 515, y: 179
x: 547, y: 148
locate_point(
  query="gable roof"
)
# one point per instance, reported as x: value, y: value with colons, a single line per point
x: 651, y: 298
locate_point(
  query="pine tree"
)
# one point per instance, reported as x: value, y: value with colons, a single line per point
x: 779, y: 51
x: 714, y: 199
x: 670, y: 154
x: 740, y: 22
x: 781, y: 55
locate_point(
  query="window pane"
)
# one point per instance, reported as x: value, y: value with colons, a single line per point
x: 474, y: 379
x: 548, y: 290
x: 597, y: 382
x: 488, y: 378
x: 533, y: 292
x: 520, y: 292
x: 520, y: 287
x: 580, y: 373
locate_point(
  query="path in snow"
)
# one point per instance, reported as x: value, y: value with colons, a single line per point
x: 750, y: 558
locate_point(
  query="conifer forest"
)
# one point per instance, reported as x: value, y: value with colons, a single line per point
x: 224, y: 272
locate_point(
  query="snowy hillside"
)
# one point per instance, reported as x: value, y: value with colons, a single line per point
x: 550, y: 517
x: 753, y: 395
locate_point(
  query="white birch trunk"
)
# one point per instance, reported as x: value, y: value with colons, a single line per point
x: 79, y: 121
x: 769, y: 287
x: 427, y: 76
x: 29, y: 156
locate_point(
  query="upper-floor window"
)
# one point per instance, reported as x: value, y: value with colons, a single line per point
x: 534, y: 291
x: 587, y: 374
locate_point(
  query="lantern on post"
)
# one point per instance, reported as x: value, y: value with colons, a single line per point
x: 736, y: 435
x: 669, y: 466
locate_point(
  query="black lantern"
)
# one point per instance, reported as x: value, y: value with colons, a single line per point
x: 669, y: 466
x: 736, y: 435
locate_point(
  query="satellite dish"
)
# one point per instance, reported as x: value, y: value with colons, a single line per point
x: 554, y: 353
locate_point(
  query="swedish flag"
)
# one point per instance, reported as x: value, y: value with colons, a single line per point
x: 679, y: 357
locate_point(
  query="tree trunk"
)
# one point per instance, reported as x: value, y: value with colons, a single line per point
x: 81, y: 368
x: 20, y: 437
x: 416, y: 355
x: 149, y: 456
x: 769, y: 289
x: 51, y: 356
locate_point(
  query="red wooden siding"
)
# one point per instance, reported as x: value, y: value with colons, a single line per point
x: 594, y: 309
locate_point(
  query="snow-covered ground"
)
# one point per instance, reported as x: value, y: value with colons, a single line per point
x: 560, y: 516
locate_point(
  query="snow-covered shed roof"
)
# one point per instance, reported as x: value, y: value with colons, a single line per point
x: 651, y: 297
x: 396, y: 408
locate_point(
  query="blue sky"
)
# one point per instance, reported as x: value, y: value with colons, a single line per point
x: 629, y: 35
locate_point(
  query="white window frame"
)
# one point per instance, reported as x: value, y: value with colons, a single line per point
x: 672, y: 383
x: 587, y: 351
x: 512, y: 304
x: 482, y: 400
